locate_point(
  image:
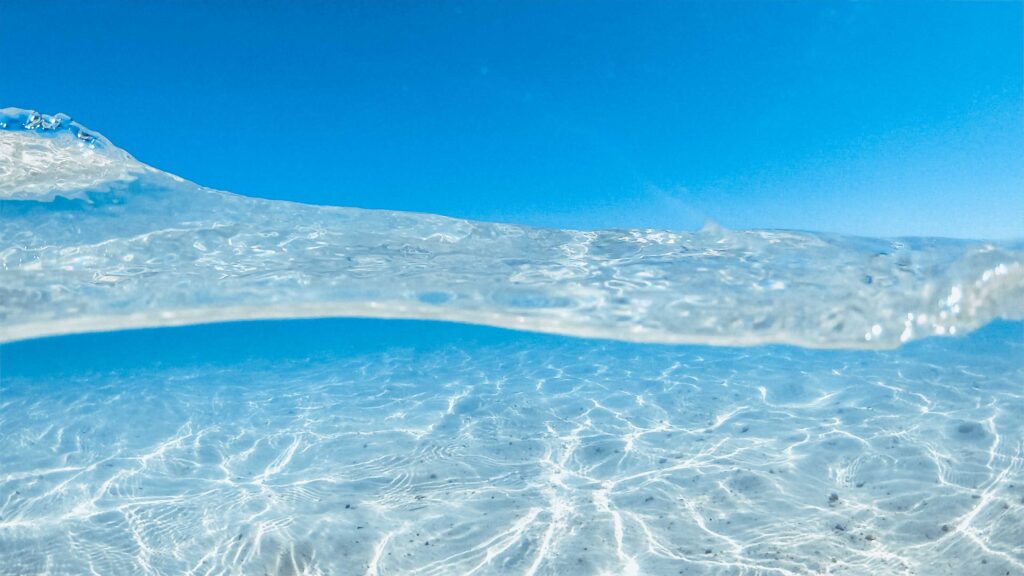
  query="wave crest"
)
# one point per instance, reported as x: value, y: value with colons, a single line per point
x: 154, y: 250
x: 45, y: 157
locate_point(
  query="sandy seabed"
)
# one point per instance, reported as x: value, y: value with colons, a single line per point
x: 524, y: 454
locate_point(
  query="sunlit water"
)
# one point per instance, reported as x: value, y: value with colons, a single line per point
x: 861, y: 410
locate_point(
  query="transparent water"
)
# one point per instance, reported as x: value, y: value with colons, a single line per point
x: 715, y: 402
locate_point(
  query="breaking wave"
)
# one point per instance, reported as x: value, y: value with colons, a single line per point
x: 93, y: 239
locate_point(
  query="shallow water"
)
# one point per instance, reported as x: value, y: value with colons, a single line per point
x: 426, y: 448
x: 94, y: 240
x: 759, y: 402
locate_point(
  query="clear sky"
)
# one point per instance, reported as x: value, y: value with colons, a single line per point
x: 902, y: 118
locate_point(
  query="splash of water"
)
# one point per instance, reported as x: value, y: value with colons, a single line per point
x: 93, y: 239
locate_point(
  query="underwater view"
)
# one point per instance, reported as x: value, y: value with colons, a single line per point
x: 531, y: 288
x: 626, y: 401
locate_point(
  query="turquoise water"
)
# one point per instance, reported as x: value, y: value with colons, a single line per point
x: 609, y: 402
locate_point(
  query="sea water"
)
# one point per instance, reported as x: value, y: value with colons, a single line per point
x: 487, y: 398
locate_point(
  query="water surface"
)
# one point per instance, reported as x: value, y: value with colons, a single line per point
x: 710, y: 402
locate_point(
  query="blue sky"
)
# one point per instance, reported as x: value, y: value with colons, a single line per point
x: 899, y: 118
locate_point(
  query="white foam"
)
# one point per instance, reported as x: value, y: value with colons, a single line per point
x: 44, y: 168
